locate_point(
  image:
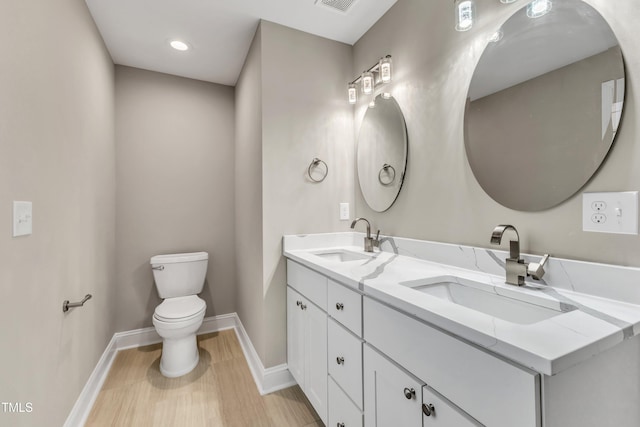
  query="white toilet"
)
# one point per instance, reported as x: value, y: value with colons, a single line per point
x: 179, y: 278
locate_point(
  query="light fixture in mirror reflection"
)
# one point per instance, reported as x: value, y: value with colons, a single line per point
x: 382, y: 153
x: 544, y: 106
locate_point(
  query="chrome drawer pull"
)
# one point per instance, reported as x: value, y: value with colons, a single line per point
x: 428, y: 409
x: 340, y: 425
x: 340, y: 360
x: 298, y: 303
x: 339, y: 306
x: 303, y: 306
x: 409, y: 393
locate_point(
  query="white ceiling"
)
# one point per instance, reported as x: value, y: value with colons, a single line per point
x: 137, y: 32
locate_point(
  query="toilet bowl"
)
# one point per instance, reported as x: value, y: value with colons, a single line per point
x: 179, y: 278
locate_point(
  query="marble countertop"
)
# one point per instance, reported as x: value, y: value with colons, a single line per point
x: 585, y: 325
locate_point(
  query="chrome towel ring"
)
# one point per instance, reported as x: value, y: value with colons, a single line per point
x: 314, y: 163
x: 385, y: 168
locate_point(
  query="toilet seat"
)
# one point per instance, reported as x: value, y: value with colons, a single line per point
x: 180, y: 309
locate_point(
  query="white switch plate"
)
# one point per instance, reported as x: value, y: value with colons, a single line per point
x: 614, y: 212
x: 22, y: 218
x: 344, y: 211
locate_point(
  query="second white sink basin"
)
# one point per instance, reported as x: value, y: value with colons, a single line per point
x: 341, y: 255
x: 523, y: 309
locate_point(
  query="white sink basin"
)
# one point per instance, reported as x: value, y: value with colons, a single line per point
x: 523, y: 309
x: 341, y: 255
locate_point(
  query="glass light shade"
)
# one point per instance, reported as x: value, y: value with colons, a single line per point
x: 464, y: 14
x: 367, y: 83
x: 385, y: 69
x: 538, y: 8
x: 353, y: 93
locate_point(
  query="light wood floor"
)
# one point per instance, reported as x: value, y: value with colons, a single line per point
x: 220, y: 391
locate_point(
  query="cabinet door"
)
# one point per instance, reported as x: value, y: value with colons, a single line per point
x: 392, y: 397
x: 295, y: 336
x: 439, y: 412
x: 316, y: 358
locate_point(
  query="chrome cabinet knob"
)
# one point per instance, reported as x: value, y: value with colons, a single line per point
x: 340, y: 424
x: 339, y: 306
x: 409, y: 393
x: 303, y: 306
x: 298, y: 303
x: 340, y: 360
x: 428, y: 409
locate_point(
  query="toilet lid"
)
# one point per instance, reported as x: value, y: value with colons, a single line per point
x: 180, y: 308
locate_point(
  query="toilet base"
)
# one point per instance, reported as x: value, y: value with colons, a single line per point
x: 179, y: 356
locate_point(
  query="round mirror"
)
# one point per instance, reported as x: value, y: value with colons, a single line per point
x: 382, y: 153
x: 544, y: 104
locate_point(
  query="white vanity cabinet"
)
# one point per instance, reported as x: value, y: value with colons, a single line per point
x: 394, y: 397
x: 492, y: 391
x: 307, y: 334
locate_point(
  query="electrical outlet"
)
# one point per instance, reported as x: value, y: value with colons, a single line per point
x: 614, y: 212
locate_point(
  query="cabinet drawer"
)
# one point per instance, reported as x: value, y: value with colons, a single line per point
x: 473, y: 379
x: 345, y: 305
x: 438, y: 412
x: 342, y: 411
x: 345, y: 360
x: 309, y: 283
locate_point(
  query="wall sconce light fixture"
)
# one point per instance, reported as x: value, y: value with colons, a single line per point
x: 379, y: 73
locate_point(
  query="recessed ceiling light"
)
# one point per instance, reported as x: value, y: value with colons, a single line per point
x: 178, y: 45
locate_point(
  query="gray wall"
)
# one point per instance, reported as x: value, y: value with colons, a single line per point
x: 56, y: 150
x: 441, y: 199
x: 248, y: 195
x: 175, y: 184
x: 299, y: 82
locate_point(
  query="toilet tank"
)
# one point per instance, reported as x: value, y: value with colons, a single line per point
x: 179, y: 275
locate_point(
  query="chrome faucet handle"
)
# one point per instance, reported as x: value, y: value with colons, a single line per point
x: 376, y: 240
x: 536, y: 269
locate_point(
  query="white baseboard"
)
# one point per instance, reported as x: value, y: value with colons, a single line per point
x: 80, y: 411
x: 267, y: 380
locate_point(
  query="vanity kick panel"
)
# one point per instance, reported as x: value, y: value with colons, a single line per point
x: 496, y: 393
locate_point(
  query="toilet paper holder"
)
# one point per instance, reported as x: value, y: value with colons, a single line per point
x: 66, y: 305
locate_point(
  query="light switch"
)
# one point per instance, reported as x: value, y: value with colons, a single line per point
x: 22, y: 218
x: 613, y: 212
x: 344, y: 211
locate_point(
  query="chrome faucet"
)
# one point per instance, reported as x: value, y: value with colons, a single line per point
x: 369, y: 242
x: 516, y: 268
